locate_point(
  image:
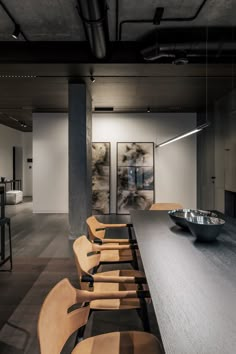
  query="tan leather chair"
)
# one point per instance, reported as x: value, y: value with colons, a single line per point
x: 56, y: 324
x: 125, y: 250
x: 166, y: 206
x: 87, y: 257
x: 98, y: 229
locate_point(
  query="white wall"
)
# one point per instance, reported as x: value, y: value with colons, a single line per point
x: 8, y: 138
x: 50, y: 163
x: 27, y: 167
x: 175, y: 164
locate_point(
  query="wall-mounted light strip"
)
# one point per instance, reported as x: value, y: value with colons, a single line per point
x: 184, y: 135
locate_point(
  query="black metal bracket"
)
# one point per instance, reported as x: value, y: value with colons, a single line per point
x: 134, y: 246
x: 140, y: 280
x: 87, y: 279
x: 143, y: 294
x: 98, y: 241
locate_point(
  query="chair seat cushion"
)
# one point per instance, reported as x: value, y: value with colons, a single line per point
x: 117, y: 304
x: 116, y: 255
x: 128, y: 342
x: 14, y: 197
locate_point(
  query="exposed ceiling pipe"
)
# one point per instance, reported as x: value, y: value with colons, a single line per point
x: 159, y: 13
x: 93, y: 13
x: 187, y: 50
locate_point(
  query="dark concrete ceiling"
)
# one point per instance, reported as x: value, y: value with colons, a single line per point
x: 126, y: 87
x: 58, y: 20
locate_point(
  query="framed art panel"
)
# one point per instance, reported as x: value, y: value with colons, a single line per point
x: 135, y: 176
x: 101, y: 178
x: 133, y: 200
x: 135, y: 154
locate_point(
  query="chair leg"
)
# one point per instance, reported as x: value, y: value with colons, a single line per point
x: 95, y: 269
x: 130, y: 232
x: 135, y: 260
x: 80, y: 333
x: 130, y: 235
x: 143, y: 314
x: 10, y: 245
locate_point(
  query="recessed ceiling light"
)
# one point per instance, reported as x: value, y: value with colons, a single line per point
x: 103, y: 109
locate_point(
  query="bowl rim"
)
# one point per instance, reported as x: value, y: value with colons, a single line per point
x: 172, y: 212
x: 222, y: 221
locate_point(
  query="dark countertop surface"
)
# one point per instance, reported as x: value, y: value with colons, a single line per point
x: 192, y: 284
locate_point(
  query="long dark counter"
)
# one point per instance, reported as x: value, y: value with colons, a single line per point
x: 193, y: 285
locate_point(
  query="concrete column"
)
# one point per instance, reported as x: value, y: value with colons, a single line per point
x: 80, y: 135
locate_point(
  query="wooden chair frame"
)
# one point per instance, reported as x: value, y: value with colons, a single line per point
x: 87, y: 258
x: 57, y: 321
x: 97, y: 231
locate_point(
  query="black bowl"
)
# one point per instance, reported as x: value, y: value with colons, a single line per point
x: 179, y: 216
x: 205, y: 228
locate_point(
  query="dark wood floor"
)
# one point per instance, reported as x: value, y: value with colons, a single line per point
x: 42, y: 256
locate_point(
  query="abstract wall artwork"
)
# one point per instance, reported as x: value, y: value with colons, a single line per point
x: 101, y: 178
x: 135, y: 176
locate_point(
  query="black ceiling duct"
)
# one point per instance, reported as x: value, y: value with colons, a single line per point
x: 188, y: 50
x: 181, y: 46
x: 93, y: 13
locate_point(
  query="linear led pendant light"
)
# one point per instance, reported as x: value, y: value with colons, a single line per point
x: 184, y: 135
x: 200, y: 127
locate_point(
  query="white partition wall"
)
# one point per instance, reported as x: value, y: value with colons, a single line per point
x: 175, y: 164
x: 50, y: 163
x: 8, y: 138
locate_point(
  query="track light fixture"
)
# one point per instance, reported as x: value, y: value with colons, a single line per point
x: 16, y: 32
x: 20, y: 122
x: 23, y: 125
